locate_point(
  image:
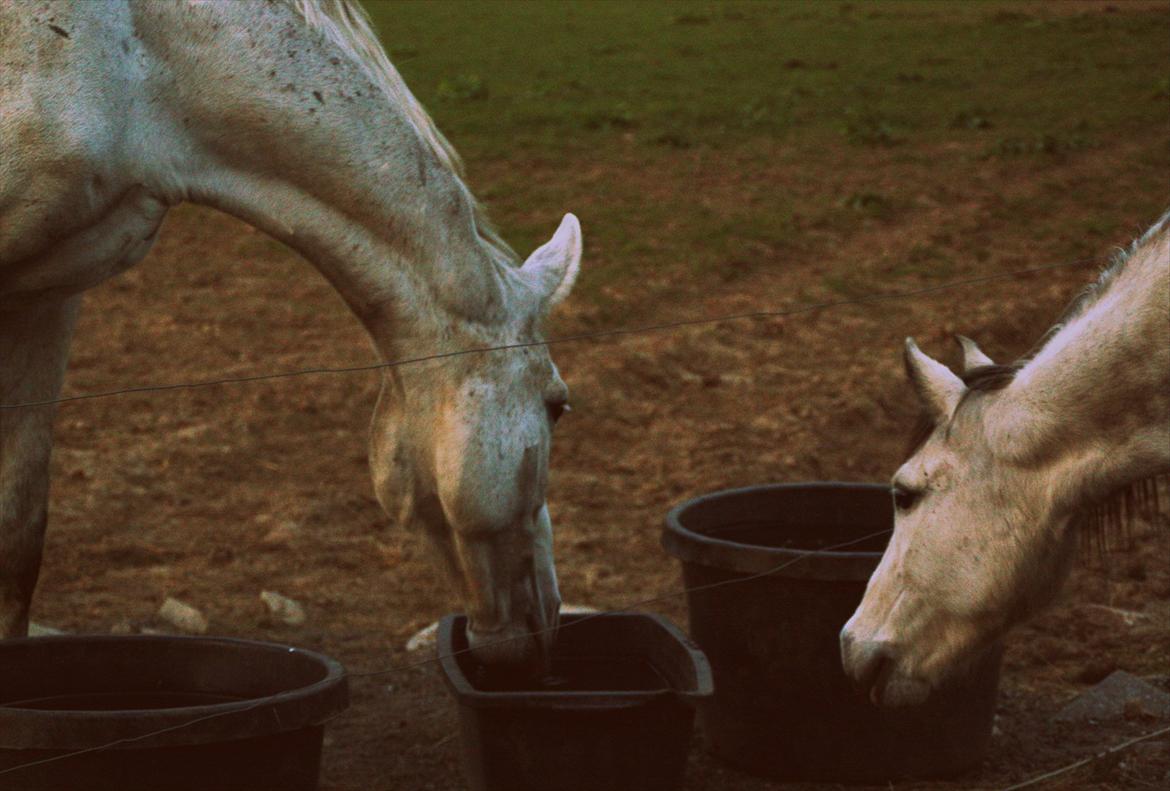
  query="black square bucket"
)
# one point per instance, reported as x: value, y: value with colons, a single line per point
x: 620, y: 719
x: 783, y: 707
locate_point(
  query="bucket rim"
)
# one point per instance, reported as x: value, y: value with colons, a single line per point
x: 288, y: 710
x: 466, y: 694
x: 692, y: 547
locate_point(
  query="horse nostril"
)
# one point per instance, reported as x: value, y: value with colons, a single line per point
x: 867, y: 661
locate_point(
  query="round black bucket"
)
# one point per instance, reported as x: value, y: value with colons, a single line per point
x: 617, y: 714
x: 229, y: 714
x: 783, y: 706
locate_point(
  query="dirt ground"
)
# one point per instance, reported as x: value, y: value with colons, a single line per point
x: 213, y: 495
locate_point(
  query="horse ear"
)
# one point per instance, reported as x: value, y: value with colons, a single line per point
x: 973, y: 356
x: 939, y: 389
x: 552, y: 270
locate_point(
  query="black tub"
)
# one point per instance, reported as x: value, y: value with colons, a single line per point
x: 59, y: 695
x: 620, y: 718
x: 783, y: 707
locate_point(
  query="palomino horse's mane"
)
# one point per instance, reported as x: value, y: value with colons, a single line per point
x: 346, y: 24
x: 1099, y: 287
x: 1114, y: 514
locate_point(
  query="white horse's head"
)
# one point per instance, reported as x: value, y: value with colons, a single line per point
x: 460, y: 448
x: 981, y: 535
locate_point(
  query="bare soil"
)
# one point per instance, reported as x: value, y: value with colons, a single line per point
x: 213, y: 495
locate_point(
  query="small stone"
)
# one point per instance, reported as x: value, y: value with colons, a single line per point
x: 424, y: 638
x: 124, y: 626
x: 1121, y: 695
x: 281, y: 535
x: 286, y: 610
x: 183, y: 616
x: 41, y: 630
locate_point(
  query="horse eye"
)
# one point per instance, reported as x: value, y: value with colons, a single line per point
x: 556, y: 409
x: 905, y: 499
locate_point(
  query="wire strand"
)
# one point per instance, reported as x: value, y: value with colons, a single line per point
x: 597, y: 335
x: 1033, y: 781
x: 629, y: 606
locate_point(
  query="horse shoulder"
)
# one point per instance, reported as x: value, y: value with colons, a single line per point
x: 66, y: 97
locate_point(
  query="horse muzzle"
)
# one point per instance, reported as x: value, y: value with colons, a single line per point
x: 524, y: 639
x: 873, y: 668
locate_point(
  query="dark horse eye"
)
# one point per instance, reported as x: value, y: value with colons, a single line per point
x: 556, y: 409
x: 904, y: 499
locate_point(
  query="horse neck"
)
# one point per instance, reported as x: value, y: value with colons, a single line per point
x: 1097, y: 395
x: 293, y: 136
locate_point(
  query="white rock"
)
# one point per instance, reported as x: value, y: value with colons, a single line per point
x: 424, y: 638
x: 124, y: 626
x: 283, y: 608
x: 41, y: 630
x: 183, y: 616
x: 281, y: 535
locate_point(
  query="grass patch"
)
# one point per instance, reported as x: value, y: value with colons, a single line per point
x: 870, y: 128
x: 651, y: 120
x: 971, y: 119
x: 1048, y: 144
x: 720, y: 75
x: 869, y: 204
x: 463, y: 87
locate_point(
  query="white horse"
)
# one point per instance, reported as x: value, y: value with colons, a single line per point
x: 988, y: 504
x: 289, y: 116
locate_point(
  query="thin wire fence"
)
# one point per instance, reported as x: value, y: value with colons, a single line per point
x: 584, y: 336
x: 598, y: 335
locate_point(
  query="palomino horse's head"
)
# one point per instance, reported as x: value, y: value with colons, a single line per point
x: 981, y: 536
x: 460, y: 448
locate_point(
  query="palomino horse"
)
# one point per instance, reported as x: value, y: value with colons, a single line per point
x: 289, y: 116
x: 1014, y: 456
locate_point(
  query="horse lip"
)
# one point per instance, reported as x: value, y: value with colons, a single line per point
x: 893, y: 691
x: 492, y: 631
x: 879, y: 679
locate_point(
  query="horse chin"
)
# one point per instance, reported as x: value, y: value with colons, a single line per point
x: 892, y: 690
x: 524, y: 645
x: 511, y: 644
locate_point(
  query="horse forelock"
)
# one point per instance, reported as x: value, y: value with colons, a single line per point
x: 347, y: 25
x: 981, y: 379
x: 1100, y: 525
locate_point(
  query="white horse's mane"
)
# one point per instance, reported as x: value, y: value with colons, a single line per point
x: 345, y: 24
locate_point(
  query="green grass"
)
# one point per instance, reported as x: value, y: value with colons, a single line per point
x: 583, y: 106
x: 719, y: 73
